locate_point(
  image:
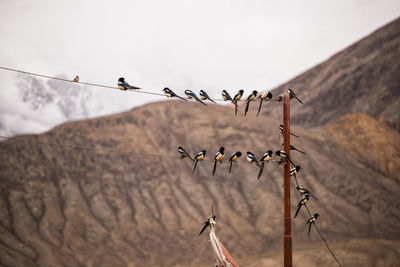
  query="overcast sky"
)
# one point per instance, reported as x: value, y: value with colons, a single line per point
x: 210, y: 45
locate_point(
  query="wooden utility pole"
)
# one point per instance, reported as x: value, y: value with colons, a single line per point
x: 287, y: 224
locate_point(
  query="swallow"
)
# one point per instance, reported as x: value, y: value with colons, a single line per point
x: 200, y: 156
x: 210, y: 220
x: 280, y: 97
x: 294, y: 171
x: 265, y: 158
x: 251, y: 158
x: 311, y: 221
x: 284, y: 155
x: 183, y: 153
x: 293, y: 95
x: 219, y: 157
x: 76, y: 79
x: 264, y: 97
x: 303, y: 190
x: 281, y: 129
x: 190, y: 95
x: 226, y: 96
x: 236, y: 98
x: 204, y: 96
x: 125, y: 86
x: 169, y: 93
x: 293, y: 148
x: 232, y: 158
x: 302, y: 202
x: 251, y: 97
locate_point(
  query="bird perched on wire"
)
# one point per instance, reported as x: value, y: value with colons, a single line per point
x: 281, y: 129
x: 190, y: 94
x: 233, y: 158
x: 76, y: 79
x: 311, y: 220
x: 251, y: 158
x: 264, y: 97
x: 219, y: 157
x: 295, y: 149
x: 280, y: 97
x: 236, y: 98
x: 284, y: 155
x: 250, y: 98
x: 302, y: 202
x: 183, y: 153
x: 264, y: 159
x: 123, y: 85
x: 204, y: 96
x: 226, y: 96
x: 293, y: 95
x: 169, y: 93
x: 303, y: 190
x: 294, y: 171
x: 210, y: 222
x: 200, y: 156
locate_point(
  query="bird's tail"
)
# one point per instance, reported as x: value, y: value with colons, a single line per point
x: 301, y: 151
x: 313, y: 196
x: 247, y: 107
x: 199, y: 100
x: 181, y: 97
x: 212, y: 100
x: 230, y: 167
x: 309, y: 228
x: 294, y: 135
x: 297, y: 211
x: 261, y: 170
x: 236, y: 107
x: 259, y: 107
x: 215, y: 167
x: 298, y: 100
x: 195, y: 164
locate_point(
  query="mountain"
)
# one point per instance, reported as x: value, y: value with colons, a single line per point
x: 362, y: 78
x: 68, y: 206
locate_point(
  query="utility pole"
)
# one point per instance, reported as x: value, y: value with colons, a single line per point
x: 287, y: 224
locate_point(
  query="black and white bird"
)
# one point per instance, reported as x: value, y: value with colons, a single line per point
x: 204, y: 96
x: 295, y: 170
x: 236, y: 98
x: 123, y: 85
x: 293, y: 95
x: 284, y: 155
x: 199, y: 157
x: 280, y: 97
x: 302, y: 202
x: 264, y: 159
x: 233, y: 158
x: 295, y: 149
x: 219, y: 157
x: 251, y: 158
x: 183, y: 153
x: 190, y: 95
x: 169, y: 93
x: 312, y: 221
x: 210, y: 222
x: 226, y: 96
x: 303, y: 191
x: 75, y: 80
x: 251, y: 97
x: 264, y: 97
x: 281, y: 129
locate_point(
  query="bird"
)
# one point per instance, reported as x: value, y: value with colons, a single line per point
x: 303, y: 190
x: 293, y: 95
x: 264, y: 97
x: 183, y: 153
x: 280, y: 97
x: 76, y: 79
x: 294, y: 171
x: 232, y: 158
x: 190, y: 95
x: 302, y: 202
x: 265, y: 158
x: 284, y: 155
x: 204, y: 96
x: 281, y: 129
x: 251, y: 158
x: 200, y: 156
x: 169, y: 93
x: 236, y: 98
x: 312, y: 220
x: 293, y: 148
x: 210, y: 221
x: 219, y: 157
x: 125, y: 86
x: 251, y: 97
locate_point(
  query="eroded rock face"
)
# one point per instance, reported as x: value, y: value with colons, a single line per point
x: 68, y: 207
